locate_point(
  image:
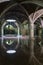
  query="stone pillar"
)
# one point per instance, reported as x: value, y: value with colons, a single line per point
x: 31, y: 35
x: 32, y: 38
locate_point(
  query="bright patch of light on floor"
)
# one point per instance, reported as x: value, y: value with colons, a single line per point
x: 10, y: 51
x: 11, y: 20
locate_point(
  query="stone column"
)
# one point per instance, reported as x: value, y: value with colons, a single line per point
x: 31, y: 36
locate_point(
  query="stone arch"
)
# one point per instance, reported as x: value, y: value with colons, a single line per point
x: 37, y: 14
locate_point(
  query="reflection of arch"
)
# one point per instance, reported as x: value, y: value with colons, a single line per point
x: 23, y: 9
x: 2, y: 30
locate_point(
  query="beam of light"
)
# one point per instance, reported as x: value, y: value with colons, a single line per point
x: 11, y: 51
x: 17, y: 37
x: 10, y: 20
